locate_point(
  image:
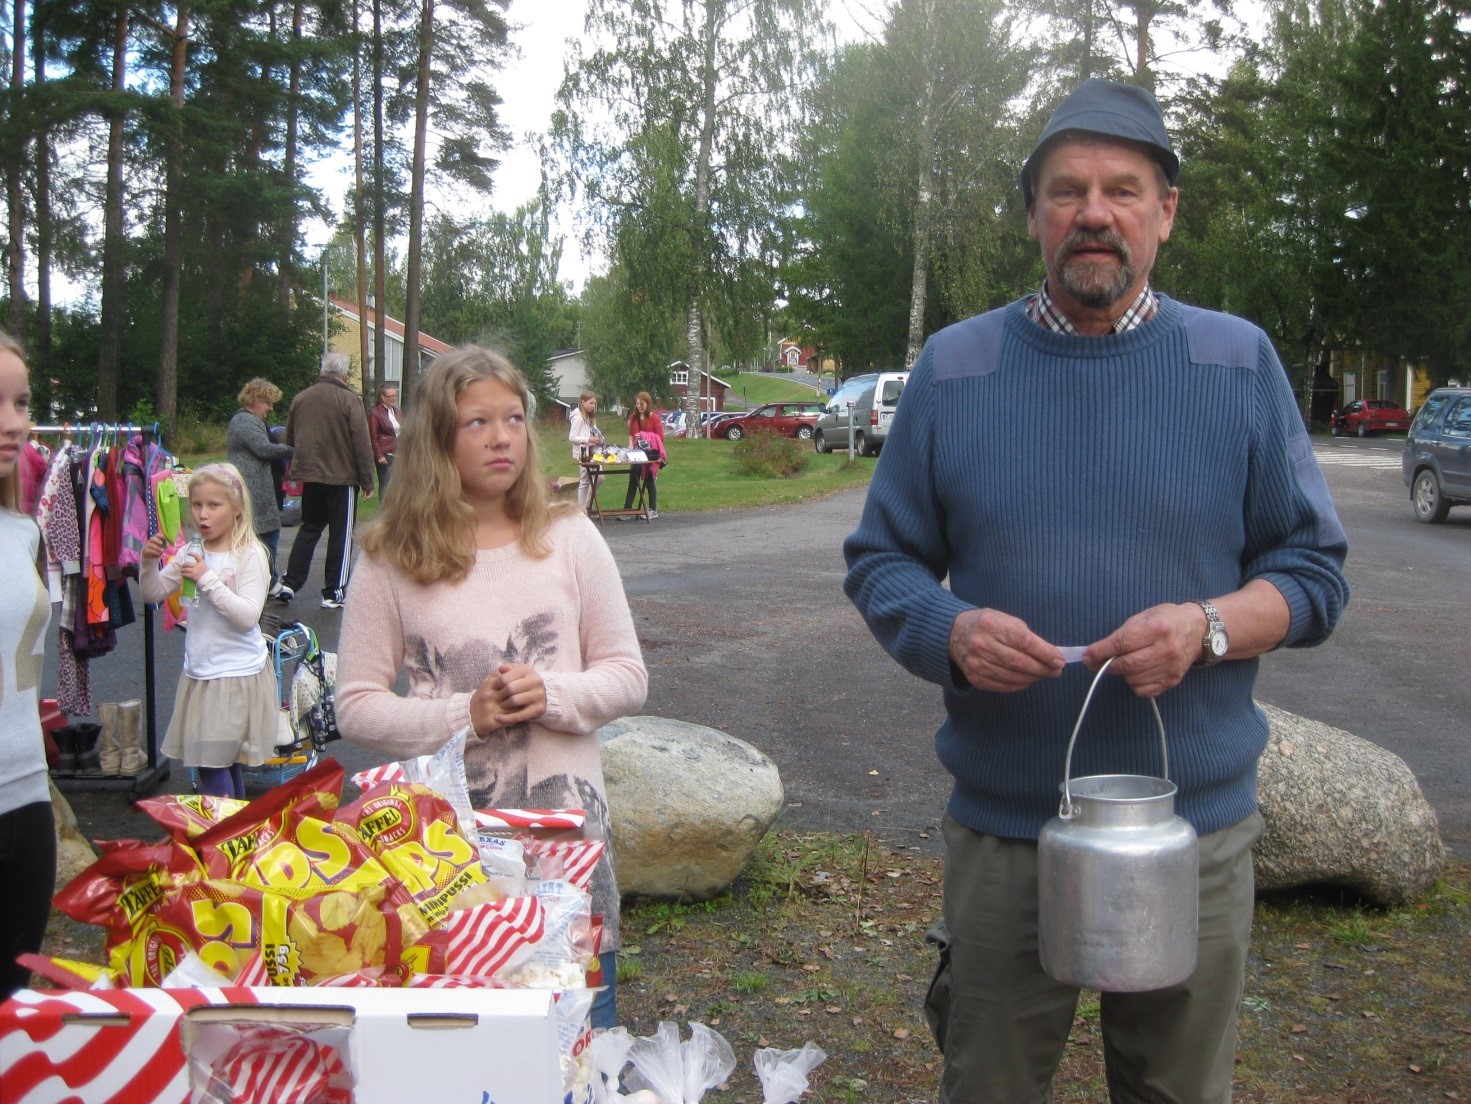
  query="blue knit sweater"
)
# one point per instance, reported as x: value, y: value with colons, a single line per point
x: 1073, y: 482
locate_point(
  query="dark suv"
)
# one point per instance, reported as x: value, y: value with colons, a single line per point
x: 1437, y: 457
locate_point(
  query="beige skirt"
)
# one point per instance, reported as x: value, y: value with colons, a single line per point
x: 223, y: 721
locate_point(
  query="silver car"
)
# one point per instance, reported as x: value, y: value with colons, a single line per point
x: 1437, y: 456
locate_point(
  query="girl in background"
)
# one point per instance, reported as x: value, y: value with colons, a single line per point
x: 27, y: 828
x: 507, y: 612
x: 226, y: 707
x: 583, y: 432
x: 645, y: 431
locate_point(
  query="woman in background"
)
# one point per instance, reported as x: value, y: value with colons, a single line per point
x: 383, y: 422
x: 27, y: 828
x: 253, y: 453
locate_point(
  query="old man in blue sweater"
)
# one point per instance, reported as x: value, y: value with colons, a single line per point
x: 1101, y: 472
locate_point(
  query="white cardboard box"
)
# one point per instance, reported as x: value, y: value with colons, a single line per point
x: 448, y: 1046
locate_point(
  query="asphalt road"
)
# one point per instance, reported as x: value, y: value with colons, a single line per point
x: 745, y: 628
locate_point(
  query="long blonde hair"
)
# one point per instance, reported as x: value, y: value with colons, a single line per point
x: 426, y: 525
x: 10, y: 485
x: 228, y: 478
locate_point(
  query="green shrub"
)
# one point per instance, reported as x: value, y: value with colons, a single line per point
x: 193, y: 435
x: 768, y: 456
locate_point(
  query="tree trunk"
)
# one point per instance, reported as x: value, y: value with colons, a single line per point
x: 114, y: 263
x: 15, y: 256
x: 695, y: 333
x: 416, y: 201
x: 285, y: 264
x: 41, y: 347
x: 924, y: 195
x: 173, y: 230
x: 360, y: 229
x: 380, y: 217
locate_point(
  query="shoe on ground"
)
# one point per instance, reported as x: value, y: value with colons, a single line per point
x: 282, y: 593
x: 653, y: 514
x: 332, y: 603
x: 626, y: 517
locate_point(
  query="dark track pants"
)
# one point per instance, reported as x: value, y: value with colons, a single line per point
x: 324, y: 506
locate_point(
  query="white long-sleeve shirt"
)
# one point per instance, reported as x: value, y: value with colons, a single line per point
x: 224, y: 638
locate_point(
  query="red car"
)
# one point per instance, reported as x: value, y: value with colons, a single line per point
x: 1366, y: 416
x: 786, y: 419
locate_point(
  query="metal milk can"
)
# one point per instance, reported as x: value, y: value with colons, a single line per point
x: 1118, y: 879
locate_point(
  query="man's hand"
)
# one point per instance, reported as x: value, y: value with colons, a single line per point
x: 1152, y: 650
x: 512, y: 694
x: 996, y: 651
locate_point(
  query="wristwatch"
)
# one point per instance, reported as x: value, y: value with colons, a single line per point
x: 1214, y: 644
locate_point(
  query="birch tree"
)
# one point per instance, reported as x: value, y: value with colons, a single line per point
x: 677, y: 128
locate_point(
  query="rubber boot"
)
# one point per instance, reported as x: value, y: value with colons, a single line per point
x: 66, y: 749
x: 130, y: 738
x: 84, y: 735
x: 109, y: 753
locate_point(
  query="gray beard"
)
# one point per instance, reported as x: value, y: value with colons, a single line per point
x: 1096, y: 285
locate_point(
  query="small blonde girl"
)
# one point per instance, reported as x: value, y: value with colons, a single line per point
x: 225, y: 708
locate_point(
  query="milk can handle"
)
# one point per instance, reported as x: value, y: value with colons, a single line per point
x: 1068, y: 810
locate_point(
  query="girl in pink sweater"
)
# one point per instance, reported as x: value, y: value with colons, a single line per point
x: 506, y: 612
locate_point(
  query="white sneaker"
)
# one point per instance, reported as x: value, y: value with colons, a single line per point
x: 653, y: 514
x: 332, y: 603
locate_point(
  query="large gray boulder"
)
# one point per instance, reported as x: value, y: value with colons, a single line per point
x: 1342, y: 811
x: 73, y: 853
x: 689, y: 805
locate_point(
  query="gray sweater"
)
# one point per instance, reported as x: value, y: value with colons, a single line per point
x: 252, y: 450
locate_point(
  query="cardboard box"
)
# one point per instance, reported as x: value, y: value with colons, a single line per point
x: 455, y: 1046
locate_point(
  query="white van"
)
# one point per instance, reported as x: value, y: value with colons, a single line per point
x: 875, y: 397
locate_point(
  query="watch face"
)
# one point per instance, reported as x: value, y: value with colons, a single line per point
x: 1217, y: 643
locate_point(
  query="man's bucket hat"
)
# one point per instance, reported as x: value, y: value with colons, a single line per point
x: 1113, y: 110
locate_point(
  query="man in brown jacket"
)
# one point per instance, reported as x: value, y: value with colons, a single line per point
x: 329, y: 430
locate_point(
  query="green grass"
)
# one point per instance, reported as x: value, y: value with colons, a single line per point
x: 700, y: 475
x: 755, y: 388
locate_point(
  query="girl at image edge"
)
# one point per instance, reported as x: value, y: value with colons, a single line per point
x: 507, y: 613
x: 27, y: 828
x: 225, y: 710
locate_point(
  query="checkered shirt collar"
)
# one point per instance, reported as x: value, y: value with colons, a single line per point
x: 1043, y: 311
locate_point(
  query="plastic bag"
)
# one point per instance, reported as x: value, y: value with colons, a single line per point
x: 608, y: 1052
x: 783, y: 1073
x: 680, y: 1072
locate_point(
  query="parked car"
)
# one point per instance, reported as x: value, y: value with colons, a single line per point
x: 674, y: 422
x: 1366, y: 416
x: 786, y: 419
x: 1437, y: 456
x: 874, y: 397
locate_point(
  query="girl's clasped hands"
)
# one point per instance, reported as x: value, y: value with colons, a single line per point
x: 513, y: 693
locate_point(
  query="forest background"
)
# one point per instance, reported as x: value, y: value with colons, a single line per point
x: 743, y: 174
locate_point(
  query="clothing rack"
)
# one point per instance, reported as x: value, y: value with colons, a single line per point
x: 155, y: 772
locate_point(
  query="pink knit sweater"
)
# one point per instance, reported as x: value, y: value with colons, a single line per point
x: 565, y: 615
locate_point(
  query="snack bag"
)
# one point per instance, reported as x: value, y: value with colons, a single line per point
x: 568, y: 860
x: 218, y: 921
x: 185, y: 816
x: 416, y: 834
x: 342, y: 931
x: 504, y: 863
x: 66, y: 973
x: 559, y: 959
x: 252, y: 1063
x: 444, y: 773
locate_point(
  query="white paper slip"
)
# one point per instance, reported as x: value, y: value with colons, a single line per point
x: 1073, y: 655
